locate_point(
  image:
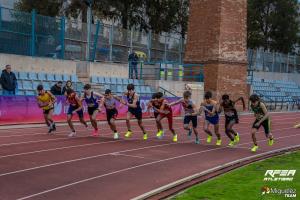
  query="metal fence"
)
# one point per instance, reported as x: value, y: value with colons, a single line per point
x: 260, y: 60
x: 167, y: 71
x: 36, y: 35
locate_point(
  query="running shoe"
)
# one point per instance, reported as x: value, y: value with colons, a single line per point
x: 53, y: 126
x: 95, y: 133
x: 175, y: 138
x: 116, y: 135
x: 160, y: 133
x: 72, y: 134
x: 297, y: 126
x: 197, y: 141
x: 231, y: 144
x: 237, y: 138
x: 254, y: 148
x: 209, y: 137
x: 128, y: 134
x: 145, y: 136
x: 219, y: 142
x: 271, y: 142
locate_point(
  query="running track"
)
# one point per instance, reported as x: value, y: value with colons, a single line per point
x: 34, y: 165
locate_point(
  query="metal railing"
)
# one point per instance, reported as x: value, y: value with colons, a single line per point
x: 36, y: 35
x: 166, y: 71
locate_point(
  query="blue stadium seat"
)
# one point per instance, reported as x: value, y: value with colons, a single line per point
x: 33, y: 76
x: 107, y: 80
x: 101, y: 80
x: 94, y: 79
x: 113, y: 80
x: 138, y: 89
x: 125, y: 81
x: 79, y: 87
x: 35, y: 84
x: 58, y: 77
x: 42, y: 76
x: 27, y: 85
x: 148, y: 90
x: 74, y: 78
x: 136, y: 82
x: 20, y: 84
x: 106, y: 86
x: 119, y: 89
x: 130, y: 80
x: 47, y: 85
x: 113, y: 88
x: 66, y: 77
x: 50, y: 77
x: 20, y: 92
x: 119, y: 81
x: 30, y: 93
x: 23, y: 75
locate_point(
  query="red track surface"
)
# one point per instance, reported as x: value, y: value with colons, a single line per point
x: 34, y: 165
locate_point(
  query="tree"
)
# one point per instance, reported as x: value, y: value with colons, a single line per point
x: 43, y: 7
x: 273, y: 24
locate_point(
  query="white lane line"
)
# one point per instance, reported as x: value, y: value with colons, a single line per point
x: 131, y: 168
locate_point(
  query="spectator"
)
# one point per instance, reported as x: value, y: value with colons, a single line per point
x: 133, y: 61
x: 8, y: 81
x: 57, y: 89
x: 67, y: 86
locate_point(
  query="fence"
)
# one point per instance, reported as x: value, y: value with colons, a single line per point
x: 36, y: 35
x: 167, y: 71
x: 260, y: 60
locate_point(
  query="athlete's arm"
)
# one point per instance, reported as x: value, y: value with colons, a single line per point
x: 196, y: 112
x: 162, y: 108
x: 176, y: 102
x: 53, y: 98
x: 243, y: 102
x: 79, y: 103
x: 40, y: 104
x: 121, y: 100
x: 98, y: 95
x: 266, y: 113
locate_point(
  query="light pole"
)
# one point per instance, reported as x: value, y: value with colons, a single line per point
x: 89, y: 22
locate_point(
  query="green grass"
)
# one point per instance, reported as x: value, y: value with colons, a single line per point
x: 245, y: 183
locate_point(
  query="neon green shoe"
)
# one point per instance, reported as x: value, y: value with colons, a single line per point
x: 219, y: 142
x: 208, y: 140
x: 254, y: 148
x: 145, y: 136
x: 159, y: 134
x: 175, y: 138
x: 271, y: 142
x: 231, y: 144
x: 128, y: 134
x: 237, y: 138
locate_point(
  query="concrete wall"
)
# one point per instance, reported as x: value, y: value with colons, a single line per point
x: 277, y: 76
x: 36, y: 64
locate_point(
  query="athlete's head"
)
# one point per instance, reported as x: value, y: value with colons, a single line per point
x: 69, y: 84
x: 159, y: 95
x: 254, y: 99
x: 130, y: 88
x: 40, y: 89
x: 87, y: 88
x: 207, y: 95
x: 108, y: 93
x: 187, y: 95
x: 225, y: 98
x: 69, y: 91
x: 154, y: 96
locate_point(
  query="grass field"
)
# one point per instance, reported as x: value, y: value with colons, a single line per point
x: 246, y: 183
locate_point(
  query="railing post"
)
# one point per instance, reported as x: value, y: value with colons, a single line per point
x: 165, y: 54
x: 111, y: 42
x: 131, y: 37
x: 149, y: 45
x: 0, y: 17
x: 180, y: 50
x: 33, y: 19
x: 96, y: 41
x: 62, y: 37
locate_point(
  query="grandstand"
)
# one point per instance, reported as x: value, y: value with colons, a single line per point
x: 276, y: 91
x: 28, y: 81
